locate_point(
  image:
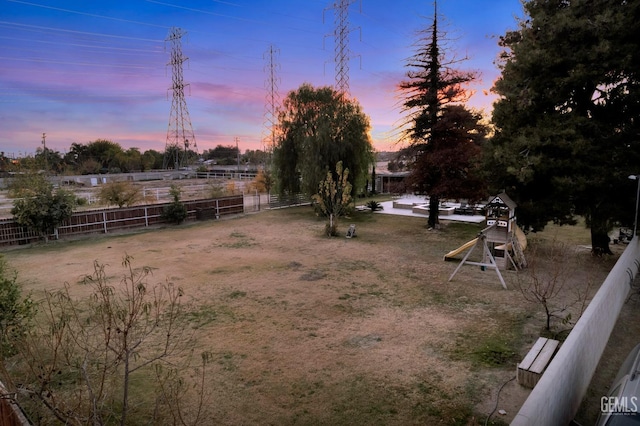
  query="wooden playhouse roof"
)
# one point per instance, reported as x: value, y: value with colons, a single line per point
x: 503, y: 198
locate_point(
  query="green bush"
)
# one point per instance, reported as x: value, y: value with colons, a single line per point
x: 120, y: 193
x: 15, y: 311
x: 43, y: 208
x: 176, y: 212
x: 374, y: 205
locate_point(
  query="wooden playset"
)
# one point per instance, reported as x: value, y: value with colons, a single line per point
x: 502, y: 241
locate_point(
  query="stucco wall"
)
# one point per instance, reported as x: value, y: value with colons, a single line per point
x: 557, y: 396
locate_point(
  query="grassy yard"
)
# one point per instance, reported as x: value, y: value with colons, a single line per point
x: 306, y: 330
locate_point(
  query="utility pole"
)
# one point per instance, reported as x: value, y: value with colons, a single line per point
x: 237, y: 154
x: 44, y: 151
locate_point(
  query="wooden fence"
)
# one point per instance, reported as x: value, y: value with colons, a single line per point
x: 277, y: 201
x: 107, y: 220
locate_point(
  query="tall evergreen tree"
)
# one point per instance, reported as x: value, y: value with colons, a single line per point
x: 318, y: 128
x: 444, y: 136
x: 567, y: 130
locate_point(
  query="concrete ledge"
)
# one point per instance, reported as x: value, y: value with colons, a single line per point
x: 424, y: 209
x: 401, y: 205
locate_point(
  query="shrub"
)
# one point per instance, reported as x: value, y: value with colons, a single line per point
x: 43, y: 209
x: 176, y: 212
x: 15, y: 311
x: 374, y: 205
x: 119, y: 193
x: 333, y: 197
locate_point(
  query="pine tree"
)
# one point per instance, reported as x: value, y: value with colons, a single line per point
x: 444, y: 136
x: 567, y: 118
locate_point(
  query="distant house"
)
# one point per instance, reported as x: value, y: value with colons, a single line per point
x: 387, y: 182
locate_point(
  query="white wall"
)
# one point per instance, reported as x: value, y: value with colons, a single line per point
x: 557, y: 396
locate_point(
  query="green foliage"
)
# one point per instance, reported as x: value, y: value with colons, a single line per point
x: 27, y: 185
x: 490, y: 346
x: 566, y: 120
x: 44, y: 209
x: 103, y: 156
x: 374, y: 205
x: 175, y: 192
x: 176, y: 157
x: 333, y: 197
x: 176, y: 212
x: 320, y: 127
x: 263, y: 181
x: 81, y: 201
x: 152, y: 159
x: 16, y: 312
x: 89, y: 167
x: 107, y: 153
x: 216, y: 189
x: 224, y: 155
x: 119, y: 193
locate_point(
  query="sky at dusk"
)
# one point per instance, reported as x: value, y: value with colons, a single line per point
x: 82, y: 70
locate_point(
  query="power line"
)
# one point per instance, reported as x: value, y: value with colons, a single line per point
x: 93, y: 15
x: 52, y: 29
x: 84, y: 64
x: 91, y: 46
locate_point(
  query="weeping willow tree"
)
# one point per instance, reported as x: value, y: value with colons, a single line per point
x: 319, y: 127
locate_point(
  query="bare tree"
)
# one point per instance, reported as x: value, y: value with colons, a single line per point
x: 80, y: 360
x: 549, y: 283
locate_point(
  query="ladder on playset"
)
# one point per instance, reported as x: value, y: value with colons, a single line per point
x: 519, y: 261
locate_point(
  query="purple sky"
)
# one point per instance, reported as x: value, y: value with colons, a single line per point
x: 85, y: 70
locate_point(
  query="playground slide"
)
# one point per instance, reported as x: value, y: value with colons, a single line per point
x: 460, y: 249
x: 522, y: 238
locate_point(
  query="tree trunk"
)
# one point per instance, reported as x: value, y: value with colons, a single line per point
x: 332, y: 225
x: 599, y: 234
x: 434, y: 206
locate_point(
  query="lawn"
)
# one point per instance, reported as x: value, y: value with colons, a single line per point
x: 306, y: 329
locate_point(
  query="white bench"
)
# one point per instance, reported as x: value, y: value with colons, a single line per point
x: 533, y: 365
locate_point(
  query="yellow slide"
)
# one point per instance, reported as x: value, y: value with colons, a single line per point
x: 522, y: 238
x: 460, y: 249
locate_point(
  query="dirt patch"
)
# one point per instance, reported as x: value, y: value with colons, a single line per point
x: 307, y: 329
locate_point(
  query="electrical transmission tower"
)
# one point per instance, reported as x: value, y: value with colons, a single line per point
x: 341, y: 35
x: 180, y: 136
x: 272, y: 99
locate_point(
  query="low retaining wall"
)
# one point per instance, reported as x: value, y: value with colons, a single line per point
x: 556, y: 398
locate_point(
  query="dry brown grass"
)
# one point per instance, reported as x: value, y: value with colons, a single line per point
x: 306, y: 329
